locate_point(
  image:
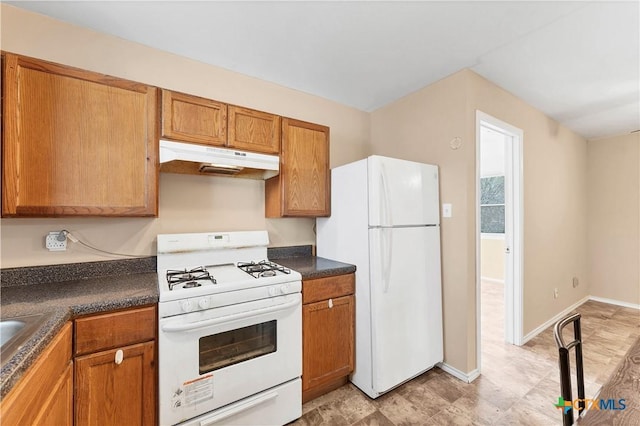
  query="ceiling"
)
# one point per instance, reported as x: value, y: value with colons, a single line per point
x: 576, y: 61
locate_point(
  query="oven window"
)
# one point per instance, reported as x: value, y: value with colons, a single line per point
x: 231, y: 347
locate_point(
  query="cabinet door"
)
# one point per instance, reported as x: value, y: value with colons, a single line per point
x: 58, y: 409
x: 253, y: 130
x: 76, y: 143
x: 303, y: 187
x: 327, y: 340
x: 44, y: 394
x: 117, y: 394
x: 190, y: 118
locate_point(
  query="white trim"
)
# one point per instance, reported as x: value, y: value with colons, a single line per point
x: 491, y: 236
x: 553, y: 320
x: 492, y: 280
x: 465, y: 377
x: 615, y: 302
x: 514, y: 290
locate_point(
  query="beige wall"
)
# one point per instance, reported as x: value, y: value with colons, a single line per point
x: 555, y: 203
x: 187, y: 203
x: 614, y: 217
x: 420, y: 127
x: 492, y: 258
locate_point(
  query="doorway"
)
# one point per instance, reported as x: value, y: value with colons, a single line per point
x: 499, y: 234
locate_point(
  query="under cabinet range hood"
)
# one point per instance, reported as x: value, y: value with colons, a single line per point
x: 187, y: 158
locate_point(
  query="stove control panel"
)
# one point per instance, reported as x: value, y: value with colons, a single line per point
x: 203, y: 302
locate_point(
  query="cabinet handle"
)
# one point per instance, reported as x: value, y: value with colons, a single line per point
x: 119, y: 356
x: 330, y: 303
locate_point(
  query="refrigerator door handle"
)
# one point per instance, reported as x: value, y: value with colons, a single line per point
x: 387, y: 238
x: 387, y: 268
x: 386, y: 207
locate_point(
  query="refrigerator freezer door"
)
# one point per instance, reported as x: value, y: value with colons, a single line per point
x: 402, y: 192
x: 406, y: 309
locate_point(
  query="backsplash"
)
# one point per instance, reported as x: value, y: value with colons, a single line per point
x: 289, y: 251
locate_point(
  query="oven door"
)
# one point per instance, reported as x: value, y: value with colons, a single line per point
x: 212, y: 358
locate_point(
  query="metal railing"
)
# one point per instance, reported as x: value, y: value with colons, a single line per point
x: 565, y: 369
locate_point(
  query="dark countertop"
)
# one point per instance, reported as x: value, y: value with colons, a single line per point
x: 301, y: 259
x: 61, y: 301
x: 316, y: 267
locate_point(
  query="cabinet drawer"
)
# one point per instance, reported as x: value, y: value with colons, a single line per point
x: 105, y: 331
x: 327, y: 287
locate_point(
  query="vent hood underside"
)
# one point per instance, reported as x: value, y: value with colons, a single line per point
x: 186, y: 158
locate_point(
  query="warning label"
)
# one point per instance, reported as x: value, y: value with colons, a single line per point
x: 194, y: 391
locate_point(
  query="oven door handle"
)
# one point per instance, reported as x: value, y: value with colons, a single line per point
x: 228, y: 318
x: 231, y: 411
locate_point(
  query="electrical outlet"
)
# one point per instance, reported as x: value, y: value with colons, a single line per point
x: 555, y: 293
x: 56, y: 241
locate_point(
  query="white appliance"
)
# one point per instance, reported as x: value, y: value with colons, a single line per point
x: 385, y: 219
x: 194, y: 158
x: 230, y: 331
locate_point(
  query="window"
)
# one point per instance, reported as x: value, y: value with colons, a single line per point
x: 492, y: 205
x: 234, y: 346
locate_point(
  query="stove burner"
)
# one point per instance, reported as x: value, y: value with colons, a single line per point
x: 263, y: 268
x: 189, y: 278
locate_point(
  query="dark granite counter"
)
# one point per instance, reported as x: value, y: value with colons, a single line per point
x: 300, y: 258
x: 73, y: 290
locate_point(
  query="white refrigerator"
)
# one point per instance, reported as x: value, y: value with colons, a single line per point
x: 385, y: 219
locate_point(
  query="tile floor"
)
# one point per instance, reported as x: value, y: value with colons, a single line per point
x: 518, y: 385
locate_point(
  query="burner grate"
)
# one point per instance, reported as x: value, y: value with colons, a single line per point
x: 264, y: 268
x: 189, y: 278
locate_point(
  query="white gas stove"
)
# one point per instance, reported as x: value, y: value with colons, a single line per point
x: 230, y: 331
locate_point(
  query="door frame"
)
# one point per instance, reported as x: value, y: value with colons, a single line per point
x: 513, y: 292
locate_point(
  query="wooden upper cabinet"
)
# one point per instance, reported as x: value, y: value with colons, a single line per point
x: 253, y: 130
x: 303, y: 187
x: 76, y: 143
x: 190, y: 118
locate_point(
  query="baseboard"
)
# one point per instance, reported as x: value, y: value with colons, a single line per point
x: 465, y: 377
x: 553, y: 320
x: 492, y: 280
x: 615, y: 302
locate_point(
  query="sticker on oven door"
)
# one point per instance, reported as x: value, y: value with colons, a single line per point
x: 194, y: 391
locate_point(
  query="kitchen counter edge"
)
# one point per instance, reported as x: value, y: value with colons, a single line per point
x: 312, y: 267
x: 59, y: 302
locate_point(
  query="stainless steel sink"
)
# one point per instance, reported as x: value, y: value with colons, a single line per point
x: 8, y: 329
x: 14, y: 332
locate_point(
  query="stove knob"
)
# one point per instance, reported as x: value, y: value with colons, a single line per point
x: 273, y: 291
x: 203, y: 303
x: 187, y: 306
x: 284, y: 289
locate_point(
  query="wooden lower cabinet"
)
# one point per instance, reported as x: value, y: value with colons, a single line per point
x: 327, y: 334
x: 115, y: 373
x: 44, y: 395
x: 109, y: 392
x: 58, y: 409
